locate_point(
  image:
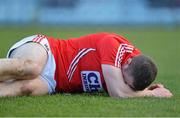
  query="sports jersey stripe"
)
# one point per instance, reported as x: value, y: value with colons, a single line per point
x: 34, y: 40
x: 40, y: 39
x: 122, y: 51
x: 70, y: 78
x: 128, y: 48
x: 76, y: 62
x: 129, y: 51
x: 123, y: 48
x: 75, y: 59
x: 117, y: 55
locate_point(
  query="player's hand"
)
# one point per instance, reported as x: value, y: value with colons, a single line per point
x: 161, y: 92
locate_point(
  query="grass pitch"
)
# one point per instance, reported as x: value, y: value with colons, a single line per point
x: 162, y: 44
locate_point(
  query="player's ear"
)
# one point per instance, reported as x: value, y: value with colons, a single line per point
x: 129, y: 61
x: 126, y: 64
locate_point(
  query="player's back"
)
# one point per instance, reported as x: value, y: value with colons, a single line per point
x: 78, y: 60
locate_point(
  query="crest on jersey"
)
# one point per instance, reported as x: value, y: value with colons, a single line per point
x: 91, y: 81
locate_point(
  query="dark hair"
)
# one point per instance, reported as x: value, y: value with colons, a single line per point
x: 143, y: 70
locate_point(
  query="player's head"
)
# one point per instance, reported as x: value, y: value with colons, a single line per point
x: 139, y: 72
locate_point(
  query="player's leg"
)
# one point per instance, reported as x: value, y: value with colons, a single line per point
x: 18, y: 69
x: 40, y: 78
x: 34, y: 87
x: 26, y: 62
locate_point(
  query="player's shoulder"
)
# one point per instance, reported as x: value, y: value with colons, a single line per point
x: 107, y: 37
x: 114, y: 36
x: 98, y: 35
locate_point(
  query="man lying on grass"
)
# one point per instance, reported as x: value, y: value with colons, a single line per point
x: 39, y: 65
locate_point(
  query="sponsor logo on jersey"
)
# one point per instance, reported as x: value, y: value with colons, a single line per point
x: 91, y: 81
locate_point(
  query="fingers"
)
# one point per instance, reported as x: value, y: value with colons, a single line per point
x: 162, y: 92
x: 166, y: 93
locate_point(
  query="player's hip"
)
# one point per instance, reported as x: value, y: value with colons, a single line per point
x: 48, y: 71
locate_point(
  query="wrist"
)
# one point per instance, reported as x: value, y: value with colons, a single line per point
x: 146, y: 93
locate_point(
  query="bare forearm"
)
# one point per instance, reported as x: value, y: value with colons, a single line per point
x: 144, y: 93
x: 158, y: 92
x: 132, y: 94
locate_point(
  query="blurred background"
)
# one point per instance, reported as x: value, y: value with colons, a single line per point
x: 151, y: 25
x: 90, y: 12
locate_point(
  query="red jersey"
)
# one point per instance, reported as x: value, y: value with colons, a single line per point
x: 78, y: 60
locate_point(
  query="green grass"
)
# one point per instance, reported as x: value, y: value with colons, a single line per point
x: 162, y: 44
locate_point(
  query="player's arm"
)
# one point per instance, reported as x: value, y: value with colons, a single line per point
x: 117, y: 88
